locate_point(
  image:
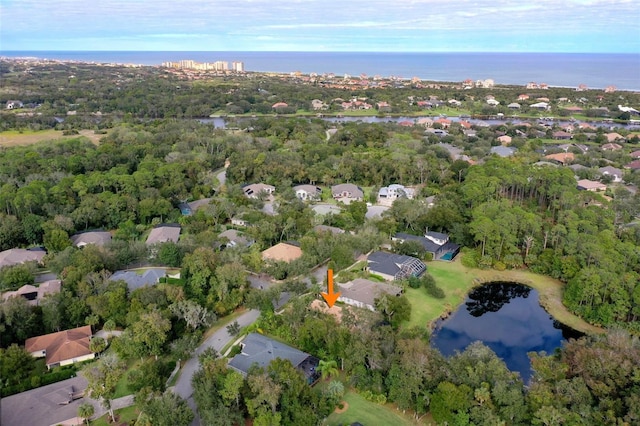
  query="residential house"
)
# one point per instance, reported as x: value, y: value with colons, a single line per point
x: 383, y: 106
x: 513, y: 105
x: 255, y: 190
x: 17, y: 256
x: 454, y: 102
x: 502, y: 151
x: 318, y: 105
x: 493, y: 102
x: 435, y: 243
x: 347, y: 192
x: 611, y: 147
x: 635, y: 154
x: 523, y: 97
x: 504, y: 139
x: 634, y: 165
x: 562, y: 135
x: 14, y: 104
x: 34, y: 294
x: 445, y: 123
x: 363, y: 293
x: 388, y: 194
x: 187, y: 209
x: 543, y: 106
x: 563, y: 158
x: 325, y: 228
x: 590, y: 185
x: 236, y: 238
x: 163, y: 234
x: 239, y: 221
x: 438, y: 132
x: 279, y: 105
x: 308, y: 192
x: 425, y: 121
x: 391, y: 266
x: 616, y: 174
x: 260, y: 350
x: 62, y: 348
x: 134, y: 280
x: 282, y: 252
x: 613, y: 137
x: 98, y: 238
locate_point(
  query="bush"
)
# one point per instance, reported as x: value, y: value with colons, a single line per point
x: 469, y: 258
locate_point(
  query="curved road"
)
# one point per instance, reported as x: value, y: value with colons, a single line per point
x: 218, y: 340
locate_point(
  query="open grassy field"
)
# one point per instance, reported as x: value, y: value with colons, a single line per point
x: 367, y: 413
x: 28, y: 137
x: 456, y: 280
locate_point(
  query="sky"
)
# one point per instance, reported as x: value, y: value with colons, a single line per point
x: 607, y: 26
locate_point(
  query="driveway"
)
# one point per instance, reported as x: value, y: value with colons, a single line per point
x: 217, y: 341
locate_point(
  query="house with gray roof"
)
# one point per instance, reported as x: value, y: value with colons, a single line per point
x: 503, y: 151
x: 236, y: 238
x: 388, y: 194
x: 187, y: 209
x: 98, y: 238
x: 391, y: 266
x: 134, y: 280
x: 307, y: 192
x: 347, y: 192
x: 17, y: 256
x: 34, y: 294
x: 616, y: 174
x: 363, y: 293
x: 260, y: 350
x: 436, y: 243
x: 256, y: 190
x: 163, y: 234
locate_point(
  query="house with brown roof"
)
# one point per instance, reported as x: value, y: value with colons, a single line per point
x: 307, y: 192
x: 562, y: 135
x: 62, y: 348
x: 17, y: 256
x: 279, y: 105
x: 255, y: 190
x: 563, y: 158
x: 611, y: 147
x: 590, y: 185
x: 34, y: 294
x: 634, y: 165
x: 282, y: 252
x: 635, y: 154
x: 163, y: 234
x: 613, y: 136
x: 504, y: 139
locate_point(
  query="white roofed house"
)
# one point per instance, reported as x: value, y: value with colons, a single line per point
x: 388, y: 194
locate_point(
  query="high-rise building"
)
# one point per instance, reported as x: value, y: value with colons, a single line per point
x: 238, y: 66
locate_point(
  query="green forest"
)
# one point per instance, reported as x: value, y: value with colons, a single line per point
x: 153, y: 154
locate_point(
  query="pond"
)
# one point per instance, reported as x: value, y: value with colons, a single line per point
x: 508, y: 318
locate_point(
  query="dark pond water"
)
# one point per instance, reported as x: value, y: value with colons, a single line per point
x: 506, y: 317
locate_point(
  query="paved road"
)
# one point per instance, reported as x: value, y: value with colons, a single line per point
x: 218, y: 340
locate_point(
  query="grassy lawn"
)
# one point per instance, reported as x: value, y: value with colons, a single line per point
x: 367, y: 413
x: 124, y: 415
x: 457, y: 280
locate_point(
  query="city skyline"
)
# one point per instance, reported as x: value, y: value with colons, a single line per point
x: 590, y: 26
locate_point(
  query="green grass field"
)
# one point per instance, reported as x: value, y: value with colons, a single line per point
x: 367, y: 413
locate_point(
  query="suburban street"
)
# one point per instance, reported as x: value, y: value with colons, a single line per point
x: 217, y: 341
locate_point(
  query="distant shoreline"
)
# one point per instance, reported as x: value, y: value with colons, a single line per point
x: 568, y: 70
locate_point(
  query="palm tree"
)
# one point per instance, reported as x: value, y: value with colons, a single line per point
x: 85, y: 411
x: 327, y: 369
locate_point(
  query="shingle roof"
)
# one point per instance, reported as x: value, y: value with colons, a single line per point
x: 261, y: 350
x: 366, y: 291
x: 282, y: 252
x: 428, y: 245
x: 98, y: 238
x: 62, y: 345
x: 17, y: 255
x: 135, y: 281
x: 162, y: 234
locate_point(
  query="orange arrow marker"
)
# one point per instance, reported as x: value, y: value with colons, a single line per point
x: 330, y: 297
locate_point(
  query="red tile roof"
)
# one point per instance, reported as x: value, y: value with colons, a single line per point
x: 63, y: 345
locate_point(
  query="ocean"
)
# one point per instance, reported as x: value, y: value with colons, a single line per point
x: 595, y: 70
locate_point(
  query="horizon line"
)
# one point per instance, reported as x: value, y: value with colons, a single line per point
x: 330, y: 51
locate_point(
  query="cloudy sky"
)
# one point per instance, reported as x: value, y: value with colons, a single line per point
x: 327, y: 25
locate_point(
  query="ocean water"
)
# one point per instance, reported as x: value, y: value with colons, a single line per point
x: 595, y: 70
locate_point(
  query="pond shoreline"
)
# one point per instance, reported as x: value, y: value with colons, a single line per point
x: 549, y: 291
